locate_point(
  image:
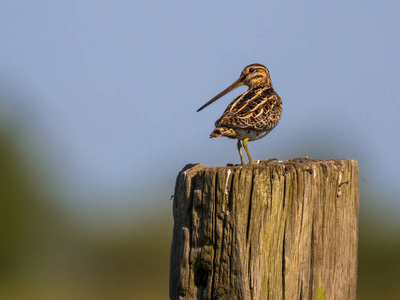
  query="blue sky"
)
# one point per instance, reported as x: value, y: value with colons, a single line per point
x: 108, y: 90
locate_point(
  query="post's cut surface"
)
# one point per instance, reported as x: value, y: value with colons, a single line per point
x: 275, y: 230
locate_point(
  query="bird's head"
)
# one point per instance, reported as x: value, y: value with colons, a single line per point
x: 255, y: 75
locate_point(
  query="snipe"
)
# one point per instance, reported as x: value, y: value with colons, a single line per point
x: 252, y: 115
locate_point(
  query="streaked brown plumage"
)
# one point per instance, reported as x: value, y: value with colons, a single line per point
x: 253, y: 114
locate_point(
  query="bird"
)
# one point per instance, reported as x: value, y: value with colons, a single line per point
x: 253, y: 114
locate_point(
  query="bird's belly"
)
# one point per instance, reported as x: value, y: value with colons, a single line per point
x: 252, y: 135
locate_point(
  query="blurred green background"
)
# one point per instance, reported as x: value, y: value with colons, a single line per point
x: 98, y: 105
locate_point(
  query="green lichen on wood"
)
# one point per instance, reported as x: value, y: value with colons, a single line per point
x: 320, y: 292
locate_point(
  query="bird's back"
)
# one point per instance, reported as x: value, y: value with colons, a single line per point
x: 259, y: 109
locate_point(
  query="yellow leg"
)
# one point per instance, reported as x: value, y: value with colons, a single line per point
x: 239, y: 145
x: 247, y: 150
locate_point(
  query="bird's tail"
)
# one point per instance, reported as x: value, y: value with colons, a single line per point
x: 223, y: 131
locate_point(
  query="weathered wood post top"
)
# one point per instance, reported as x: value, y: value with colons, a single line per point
x: 274, y: 230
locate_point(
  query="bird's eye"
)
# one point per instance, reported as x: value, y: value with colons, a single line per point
x: 251, y: 70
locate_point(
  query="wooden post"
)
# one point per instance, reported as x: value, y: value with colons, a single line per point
x: 275, y: 230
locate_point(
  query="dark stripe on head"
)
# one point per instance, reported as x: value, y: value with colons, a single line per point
x: 257, y: 65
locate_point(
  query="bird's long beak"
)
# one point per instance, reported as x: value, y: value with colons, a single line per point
x: 230, y: 88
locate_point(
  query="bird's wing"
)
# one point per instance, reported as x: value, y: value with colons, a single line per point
x: 256, y: 109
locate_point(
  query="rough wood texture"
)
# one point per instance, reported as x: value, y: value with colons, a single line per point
x: 276, y: 230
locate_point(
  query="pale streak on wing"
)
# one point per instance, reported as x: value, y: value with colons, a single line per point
x: 244, y: 104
